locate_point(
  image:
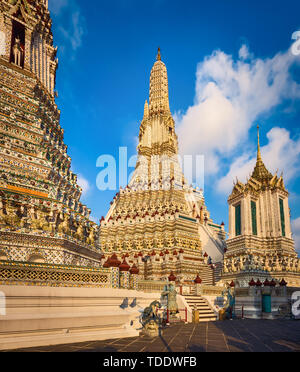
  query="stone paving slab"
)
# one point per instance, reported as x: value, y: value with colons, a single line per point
x: 229, y: 336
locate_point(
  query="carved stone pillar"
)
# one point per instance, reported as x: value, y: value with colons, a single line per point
x: 124, y: 279
x: 27, y: 57
x: 8, y: 32
x: 115, y: 277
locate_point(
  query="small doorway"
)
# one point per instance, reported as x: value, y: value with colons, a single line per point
x: 266, y: 304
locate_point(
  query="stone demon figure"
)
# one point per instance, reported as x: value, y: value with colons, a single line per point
x: 150, y: 320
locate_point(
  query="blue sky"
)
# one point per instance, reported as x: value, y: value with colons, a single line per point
x: 229, y: 65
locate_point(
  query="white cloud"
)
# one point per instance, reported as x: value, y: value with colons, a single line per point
x: 56, y: 6
x: 84, y: 184
x: 74, y: 24
x: 296, y: 231
x: 281, y: 153
x: 74, y: 34
x: 230, y: 96
x: 244, y: 53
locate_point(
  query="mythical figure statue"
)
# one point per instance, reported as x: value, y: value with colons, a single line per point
x: 52, y: 220
x: 289, y: 264
x: 43, y: 222
x: 151, y: 310
x: 150, y: 320
x: 31, y: 215
x: 64, y: 225
x: 17, y: 51
x: 267, y: 264
x: 233, y: 266
x: 171, y: 294
x: 277, y: 265
x: 91, y: 237
x: 298, y: 265
x: 79, y: 232
x: 239, y: 264
x: 229, y: 298
x: 293, y: 264
x: 38, y: 220
x: 252, y: 262
x: 242, y: 263
x: 11, y: 218
x: 225, y: 267
x: 33, y: 219
x: 22, y: 215
x: 2, y: 221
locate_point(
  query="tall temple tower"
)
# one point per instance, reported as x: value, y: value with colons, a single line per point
x: 158, y: 221
x: 260, y: 241
x: 41, y: 216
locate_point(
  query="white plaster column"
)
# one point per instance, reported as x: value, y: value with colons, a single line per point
x: 244, y: 216
x: 231, y: 222
x: 287, y: 218
x: 248, y: 219
x: 265, y: 217
x: 258, y: 219
x: 279, y: 214
x: 261, y: 216
x: 276, y: 211
x: 268, y: 214
x: 272, y: 215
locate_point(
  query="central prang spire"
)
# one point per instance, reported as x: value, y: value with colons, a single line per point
x: 159, y: 88
x: 157, y: 130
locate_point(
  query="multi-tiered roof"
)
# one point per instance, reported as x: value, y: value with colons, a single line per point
x: 260, y: 179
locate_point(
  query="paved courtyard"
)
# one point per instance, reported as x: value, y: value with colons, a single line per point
x: 228, y: 336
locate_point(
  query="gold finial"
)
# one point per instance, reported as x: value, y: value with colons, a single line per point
x: 158, y: 55
x: 258, y: 145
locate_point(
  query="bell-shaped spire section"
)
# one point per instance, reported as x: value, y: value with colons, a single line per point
x: 159, y: 89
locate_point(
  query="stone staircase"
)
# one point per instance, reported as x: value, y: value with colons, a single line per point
x: 206, y: 314
x: 218, y: 271
x: 207, y: 275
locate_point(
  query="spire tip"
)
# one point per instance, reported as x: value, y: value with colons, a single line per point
x: 258, y: 144
x: 158, y: 55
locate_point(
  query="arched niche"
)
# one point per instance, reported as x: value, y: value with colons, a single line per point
x: 36, y: 258
x: 3, y: 256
